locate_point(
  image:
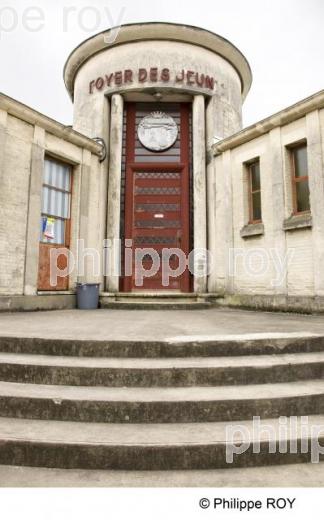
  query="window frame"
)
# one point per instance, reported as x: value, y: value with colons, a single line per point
x: 296, y: 180
x: 67, y: 221
x: 251, y: 192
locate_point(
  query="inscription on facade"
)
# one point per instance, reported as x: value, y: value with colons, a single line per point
x: 152, y: 75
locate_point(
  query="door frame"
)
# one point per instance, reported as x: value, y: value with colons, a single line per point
x: 183, y: 166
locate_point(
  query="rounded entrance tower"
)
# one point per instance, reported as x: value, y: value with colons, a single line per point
x: 158, y: 95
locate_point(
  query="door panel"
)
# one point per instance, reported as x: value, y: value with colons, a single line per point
x: 44, y: 269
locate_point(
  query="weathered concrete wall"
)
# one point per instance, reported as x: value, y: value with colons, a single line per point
x: 110, y: 62
x: 226, y: 97
x: 270, y: 261
x: 26, y: 137
x: 14, y: 194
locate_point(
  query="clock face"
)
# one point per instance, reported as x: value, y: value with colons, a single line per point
x: 157, y: 132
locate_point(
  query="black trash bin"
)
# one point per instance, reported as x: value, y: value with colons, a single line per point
x: 87, y: 296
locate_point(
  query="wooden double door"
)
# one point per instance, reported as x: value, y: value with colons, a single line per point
x: 157, y: 203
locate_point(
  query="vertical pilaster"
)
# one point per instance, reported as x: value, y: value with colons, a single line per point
x: 211, y: 193
x: 114, y: 181
x: 316, y: 185
x: 34, y: 211
x: 102, y: 172
x: 3, y: 136
x: 276, y: 174
x: 3, y: 233
x: 85, y: 203
x: 199, y: 185
x: 225, y: 225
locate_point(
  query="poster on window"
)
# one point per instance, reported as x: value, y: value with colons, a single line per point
x: 49, y: 228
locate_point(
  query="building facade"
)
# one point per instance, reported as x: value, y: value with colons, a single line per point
x: 156, y: 188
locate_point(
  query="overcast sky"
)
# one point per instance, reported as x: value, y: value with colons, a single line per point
x: 283, y: 41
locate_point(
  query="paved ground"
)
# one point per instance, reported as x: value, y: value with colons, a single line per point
x: 291, y: 475
x: 158, y: 325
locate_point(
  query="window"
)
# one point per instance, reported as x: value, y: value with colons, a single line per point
x: 56, y: 202
x: 301, y: 203
x: 254, y: 184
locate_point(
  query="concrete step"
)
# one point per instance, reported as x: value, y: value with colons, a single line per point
x: 154, y: 296
x: 160, y: 405
x: 139, y: 391
x: 160, y: 372
x: 143, y: 300
x: 283, y: 475
x: 152, y: 447
x: 175, y: 346
x: 154, y: 305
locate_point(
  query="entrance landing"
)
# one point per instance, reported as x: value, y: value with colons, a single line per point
x: 154, y: 325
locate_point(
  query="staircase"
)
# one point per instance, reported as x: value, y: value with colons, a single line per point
x: 154, y: 405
